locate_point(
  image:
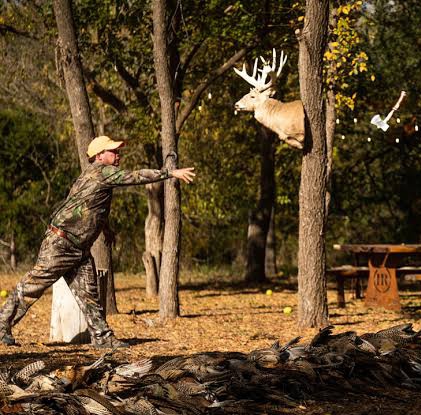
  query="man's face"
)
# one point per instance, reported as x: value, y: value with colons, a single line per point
x: 109, y: 157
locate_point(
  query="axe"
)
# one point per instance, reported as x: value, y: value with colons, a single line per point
x: 379, y: 123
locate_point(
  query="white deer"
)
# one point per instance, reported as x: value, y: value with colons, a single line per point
x: 284, y: 118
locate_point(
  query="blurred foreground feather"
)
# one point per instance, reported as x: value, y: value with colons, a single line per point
x: 267, y: 381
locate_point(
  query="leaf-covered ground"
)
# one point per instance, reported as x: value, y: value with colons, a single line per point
x: 218, y: 313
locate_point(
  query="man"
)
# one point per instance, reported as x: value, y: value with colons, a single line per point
x: 75, y: 225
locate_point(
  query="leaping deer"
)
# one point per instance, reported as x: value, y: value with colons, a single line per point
x: 284, y: 118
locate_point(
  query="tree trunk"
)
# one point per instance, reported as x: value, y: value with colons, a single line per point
x: 330, y: 135
x: 312, y: 296
x: 154, y: 232
x: 69, y: 62
x: 330, y: 115
x: 168, y: 290
x: 270, y: 257
x: 259, y: 219
x: 13, y: 252
x: 102, y: 253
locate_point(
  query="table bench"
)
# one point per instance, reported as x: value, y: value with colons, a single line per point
x: 356, y: 273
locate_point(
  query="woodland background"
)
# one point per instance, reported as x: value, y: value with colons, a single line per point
x: 376, y: 189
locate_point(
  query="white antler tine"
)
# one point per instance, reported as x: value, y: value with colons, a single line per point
x: 282, y: 61
x: 266, y: 70
x: 263, y: 60
x: 273, y: 59
x: 243, y: 74
x: 255, y: 67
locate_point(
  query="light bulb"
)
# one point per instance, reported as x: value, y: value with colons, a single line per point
x: 397, y: 140
x: 398, y: 120
x: 337, y: 120
x: 355, y: 120
x: 199, y: 108
x: 416, y: 127
x: 210, y: 95
x: 343, y: 137
x: 368, y: 139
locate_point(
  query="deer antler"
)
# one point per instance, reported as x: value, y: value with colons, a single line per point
x: 252, y: 80
x: 270, y: 69
x: 259, y: 81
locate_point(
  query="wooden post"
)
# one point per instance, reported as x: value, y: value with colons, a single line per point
x: 340, y: 281
x: 68, y: 324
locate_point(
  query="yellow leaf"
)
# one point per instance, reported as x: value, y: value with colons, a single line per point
x: 300, y: 18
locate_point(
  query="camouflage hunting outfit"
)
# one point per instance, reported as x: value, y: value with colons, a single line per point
x: 65, y: 250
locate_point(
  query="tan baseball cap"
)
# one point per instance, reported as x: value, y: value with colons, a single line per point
x: 101, y: 143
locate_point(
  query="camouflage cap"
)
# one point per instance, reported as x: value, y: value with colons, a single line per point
x: 102, y: 143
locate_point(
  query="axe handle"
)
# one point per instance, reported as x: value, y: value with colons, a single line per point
x: 398, y: 103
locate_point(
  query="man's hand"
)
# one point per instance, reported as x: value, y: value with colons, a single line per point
x: 185, y: 174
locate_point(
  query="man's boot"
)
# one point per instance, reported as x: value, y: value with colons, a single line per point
x: 110, y: 342
x: 6, y: 336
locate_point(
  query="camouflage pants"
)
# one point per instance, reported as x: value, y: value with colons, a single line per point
x: 58, y: 258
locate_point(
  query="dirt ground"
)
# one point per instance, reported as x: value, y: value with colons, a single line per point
x: 218, y: 313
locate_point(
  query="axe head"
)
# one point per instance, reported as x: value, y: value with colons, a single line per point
x: 379, y: 123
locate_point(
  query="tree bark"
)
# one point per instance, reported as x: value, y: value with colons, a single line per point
x: 12, y: 250
x: 154, y: 232
x: 330, y: 135
x: 312, y: 295
x: 13, y: 263
x: 259, y: 219
x: 69, y: 61
x: 168, y: 290
x: 70, y: 65
x: 330, y: 116
x: 270, y: 257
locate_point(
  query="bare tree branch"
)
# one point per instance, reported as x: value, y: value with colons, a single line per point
x: 105, y: 94
x: 183, y: 68
x: 132, y: 82
x: 44, y: 175
x: 4, y: 28
x: 188, y: 108
x: 5, y: 243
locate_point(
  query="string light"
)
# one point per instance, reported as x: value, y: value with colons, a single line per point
x: 343, y: 137
x: 397, y: 140
x: 337, y: 120
x: 355, y: 120
x: 368, y: 139
x: 199, y: 108
x: 209, y: 96
x: 398, y: 120
x: 416, y: 127
x: 235, y: 112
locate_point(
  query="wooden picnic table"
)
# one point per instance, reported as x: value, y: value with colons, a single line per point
x: 385, y: 261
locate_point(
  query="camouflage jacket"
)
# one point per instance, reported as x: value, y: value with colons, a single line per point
x: 85, y: 211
